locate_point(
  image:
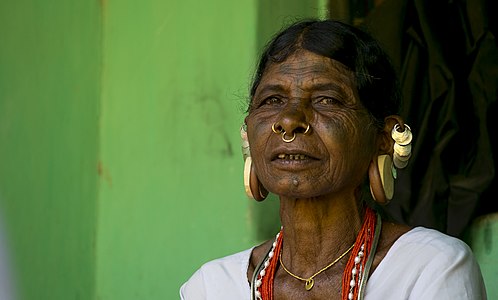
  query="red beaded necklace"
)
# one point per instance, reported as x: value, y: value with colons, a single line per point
x: 356, y: 270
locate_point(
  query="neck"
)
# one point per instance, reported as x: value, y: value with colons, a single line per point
x: 318, y: 230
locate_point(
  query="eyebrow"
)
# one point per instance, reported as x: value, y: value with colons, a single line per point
x: 279, y: 88
x: 272, y: 88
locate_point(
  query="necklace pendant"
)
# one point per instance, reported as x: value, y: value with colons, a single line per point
x: 309, y: 284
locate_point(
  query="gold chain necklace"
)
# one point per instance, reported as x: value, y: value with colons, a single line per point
x: 309, y: 282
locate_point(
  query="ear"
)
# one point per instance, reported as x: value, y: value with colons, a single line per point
x: 254, y: 189
x: 380, y: 171
x: 386, y: 144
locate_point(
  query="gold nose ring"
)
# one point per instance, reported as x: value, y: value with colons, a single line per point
x: 307, y: 129
x: 288, y: 140
x: 275, y: 130
x: 283, y: 133
x: 281, y: 130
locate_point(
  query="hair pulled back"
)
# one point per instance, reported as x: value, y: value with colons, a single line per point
x: 374, y: 75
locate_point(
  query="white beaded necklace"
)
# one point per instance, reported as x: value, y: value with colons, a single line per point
x: 358, y: 273
x: 355, y: 272
x: 262, y: 273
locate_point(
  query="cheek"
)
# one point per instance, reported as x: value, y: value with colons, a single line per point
x: 350, y: 135
x: 257, y: 134
x: 340, y: 129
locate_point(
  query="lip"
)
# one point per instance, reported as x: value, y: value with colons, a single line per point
x: 292, y: 152
x: 289, y: 165
x: 294, y: 159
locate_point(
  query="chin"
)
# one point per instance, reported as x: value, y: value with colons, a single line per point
x: 293, y: 189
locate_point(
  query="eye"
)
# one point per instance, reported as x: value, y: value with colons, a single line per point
x: 273, y: 100
x: 327, y: 101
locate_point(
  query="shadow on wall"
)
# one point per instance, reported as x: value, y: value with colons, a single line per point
x: 447, y: 58
x: 483, y: 239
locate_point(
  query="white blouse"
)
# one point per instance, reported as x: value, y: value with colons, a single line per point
x: 422, y: 264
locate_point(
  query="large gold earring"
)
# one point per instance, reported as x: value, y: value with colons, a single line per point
x: 253, y: 187
x: 382, y: 179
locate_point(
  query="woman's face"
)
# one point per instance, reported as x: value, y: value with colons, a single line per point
x: 334, y: 155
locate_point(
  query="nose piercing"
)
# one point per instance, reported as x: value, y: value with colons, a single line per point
x: 307, y: 129
x: 288, y: 140
x: 280, y: 130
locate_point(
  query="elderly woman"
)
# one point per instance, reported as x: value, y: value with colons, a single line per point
x: 323, y: 135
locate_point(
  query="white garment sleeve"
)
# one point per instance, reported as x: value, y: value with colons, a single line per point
x: 426, y: 264
x: 220, y: 279
x: 194, y: 288
x: 451, y: 275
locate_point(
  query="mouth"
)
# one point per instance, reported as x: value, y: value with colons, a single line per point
x: 294, y: 161
x: 283, y: 156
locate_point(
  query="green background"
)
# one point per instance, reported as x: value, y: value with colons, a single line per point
x: 120, y: 161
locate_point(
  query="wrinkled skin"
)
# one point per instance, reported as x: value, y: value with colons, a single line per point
x: 314, y: 90
x: 316, y: 176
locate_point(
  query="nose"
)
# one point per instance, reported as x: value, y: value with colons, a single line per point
x: 291, y: 121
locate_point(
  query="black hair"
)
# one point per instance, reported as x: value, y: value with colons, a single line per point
x: 374, y: 75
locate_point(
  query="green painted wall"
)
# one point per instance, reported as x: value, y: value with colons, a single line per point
x: 482, y: 237
x: 171, y: 194
x: 49, y: 103
x: 120, y: 162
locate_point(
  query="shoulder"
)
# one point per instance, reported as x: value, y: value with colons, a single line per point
x: 432, y: 241
x: 428, y: 250
x: 222, y: 278
x: 424, y: 264
x: 423, y: 249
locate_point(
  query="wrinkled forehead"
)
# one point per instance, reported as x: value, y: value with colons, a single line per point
x: 303, y: 68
